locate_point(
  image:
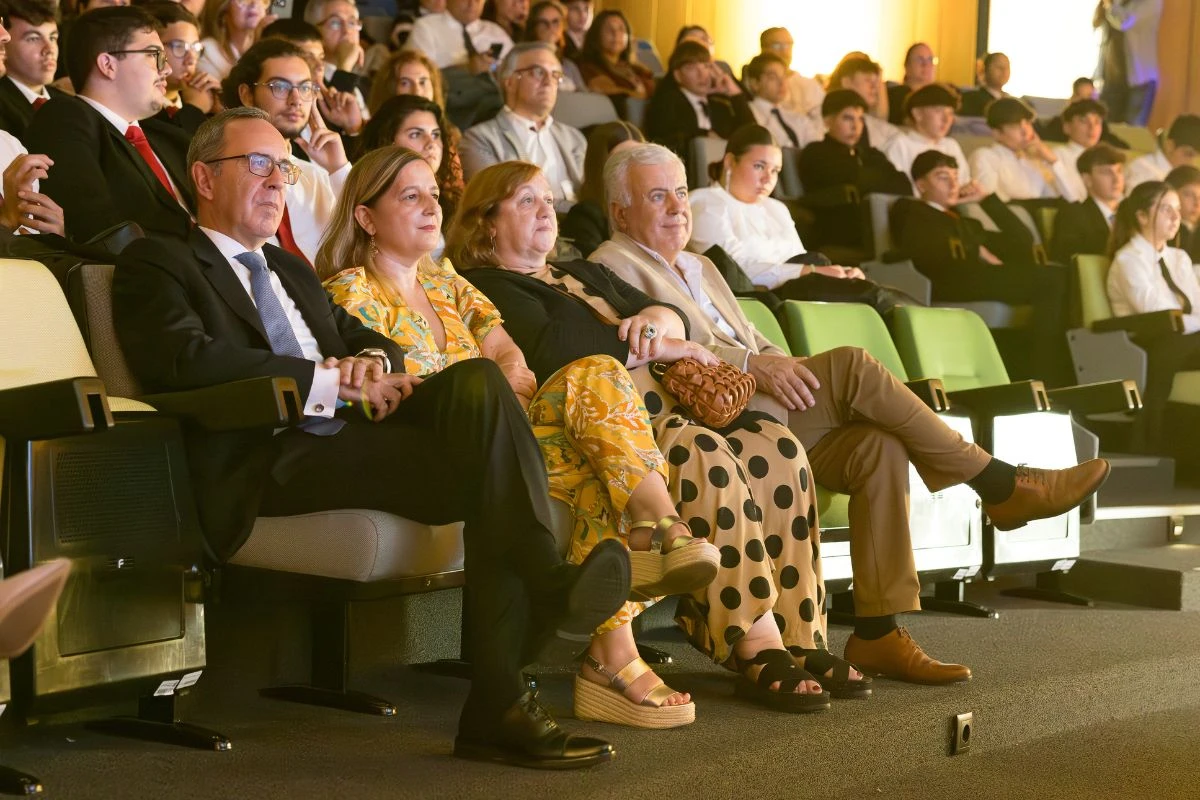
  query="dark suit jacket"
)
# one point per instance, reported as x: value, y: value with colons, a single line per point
x: 185, y: 321
x: 942, y: 244
x: 98, y: 177
x: 897, y: 92
x: 976, y: 101
x: 671, y: 119
x: 16, y: 111
x: 830, y: 163
x: 188, y: 117
x: 1078, y: 228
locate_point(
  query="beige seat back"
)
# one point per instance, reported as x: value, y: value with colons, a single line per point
x: 41, y: 343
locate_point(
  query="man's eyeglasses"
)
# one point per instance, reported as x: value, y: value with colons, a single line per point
x: 160, y: 55
x: 263, y: 165
x: 280, y: 89
x: 338, y: 24
x: 179, y: 48
x: 541, y: 73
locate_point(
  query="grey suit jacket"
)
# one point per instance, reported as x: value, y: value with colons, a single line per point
x: 494, y: 141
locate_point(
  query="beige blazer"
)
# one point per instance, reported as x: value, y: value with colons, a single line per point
x: 635, y: 266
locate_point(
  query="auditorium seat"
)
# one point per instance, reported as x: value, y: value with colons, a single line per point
x: 583, y: 110
x: 702, y: 151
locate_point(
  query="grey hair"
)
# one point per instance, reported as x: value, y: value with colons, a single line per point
x: 509, y: 65
x: 616, y: 172
x: 209, y: 140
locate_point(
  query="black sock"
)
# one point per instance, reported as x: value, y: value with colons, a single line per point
x: 996, y: 482
x: 874, y: 627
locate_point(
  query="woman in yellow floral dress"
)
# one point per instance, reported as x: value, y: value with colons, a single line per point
x: 588, y: 417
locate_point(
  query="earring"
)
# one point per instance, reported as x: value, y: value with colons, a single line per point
x: 372, y: 248
x: 494, y: 244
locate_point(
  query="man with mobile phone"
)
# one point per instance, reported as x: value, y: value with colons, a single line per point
x: 459, y: 38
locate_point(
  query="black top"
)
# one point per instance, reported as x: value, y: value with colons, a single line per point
x: 554, y: 328
x: 829, y: 163
x: 671, y: 119
x: 942, y: 243
x: 1189, y: 241
x: 16, y: 111
x: 1079, y: 228
x: 896, y: 94
x: 586, y: 225
x: 976, y: 101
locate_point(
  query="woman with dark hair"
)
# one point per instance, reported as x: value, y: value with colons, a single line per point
x: 406, y: 72
x: 548, y: 23
x: 607, y: 64
x: 230, y: 27
x: 1186, y: 181
x: 1147, y: 274
x: 586, y: 224
x: 509, y: 15
x: 417, y: 123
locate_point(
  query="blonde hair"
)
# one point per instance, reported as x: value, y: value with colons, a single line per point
x: 213, y: 23
x: 346, y: 244
x: 383, y: 86
x: 469, y: 243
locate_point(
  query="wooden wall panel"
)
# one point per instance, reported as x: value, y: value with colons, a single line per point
x: 1179, y: 84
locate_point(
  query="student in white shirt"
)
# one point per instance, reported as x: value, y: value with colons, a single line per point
x: 804, y: 94
x: 443, y: 37
x: 766, y: 78
x: 23, y: 208
x: 1180, y: 145
x: 930, y: 114
x: 1083, y: 124
x: 860, y: 74
x: 1019, y: 166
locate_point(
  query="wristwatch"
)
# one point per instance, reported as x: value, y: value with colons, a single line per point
x: 376, y: 352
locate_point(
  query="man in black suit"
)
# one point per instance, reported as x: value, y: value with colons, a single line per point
x: 966, y: 263
x: 112, y: 163
x: 694, y: 99
x: 30, y: 59
x: 191, y: 94
x: 1085, y: 227
x: 222, y: 306
x: 996, y: 72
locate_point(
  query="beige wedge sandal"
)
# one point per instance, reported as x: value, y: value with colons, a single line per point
x: 610, y: 704
x: 684, y: 565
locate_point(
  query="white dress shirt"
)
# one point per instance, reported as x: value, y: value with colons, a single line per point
x: 905, y: 146
x: 1136, y: 284
x: 1109, y: 214
x: 323, y: 394
x: 10, y: 149
x: 538, y: 146
x: 760, y: 236
x: 879, y: 131
x: 122, y: 125
x: 806, y: 129
x: 310, y: 204
x: 440, y: 36
x: 804, y: 95
x: 1011, y: 176
x: 1068, y: 156
x: 1150, y: 167
x: 700, y: 105
x: 214, y: 61
x: 690, y: 276
x: 29, y: 93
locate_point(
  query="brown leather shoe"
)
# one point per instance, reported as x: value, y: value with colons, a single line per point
x: 1042, y: 493
x: 898, y: 656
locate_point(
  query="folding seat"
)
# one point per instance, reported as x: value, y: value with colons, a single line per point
x: 584, y: 110
x: 702, y: 151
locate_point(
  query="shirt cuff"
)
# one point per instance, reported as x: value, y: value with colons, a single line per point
x: 323, y: 394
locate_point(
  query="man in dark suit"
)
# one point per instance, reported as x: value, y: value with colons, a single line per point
x: 191, y: 94
x: 30, y: 59
x: 1085, y: 227
x: 996, y: 72
x: 220, y: 306
x: 694, y: 99
x: 966, y: 263
x: 111, y: 167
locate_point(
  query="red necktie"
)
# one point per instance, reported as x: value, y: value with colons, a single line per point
x: 286, y: 240
x: 172, y: 111
x: 38, y: 102
x: 137, y: 137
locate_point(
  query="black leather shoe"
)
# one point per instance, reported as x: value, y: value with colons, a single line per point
x: 527, y: 736
x: 598, y: 589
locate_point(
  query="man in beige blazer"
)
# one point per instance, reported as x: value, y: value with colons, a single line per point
x: 859, y: 424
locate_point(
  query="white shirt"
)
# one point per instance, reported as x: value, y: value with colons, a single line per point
x: 214, y: 61
x: 804, y: 95
x: 323, y: 394
x: 538, y: 147
x: 905, y: 146
x: 699, y: 104
x: 879, y: 131
x: 1011, y: 176
x: 692, y: 281
x: 1110, y: 215
x: 29, y: 93
x: 1068, y: 155
x: 760, y: 236
x: 1136, y: 284
x: 10, y: 149
x: 1150, y: 167
x: 803, y: 126
x: 310, y: 204
x: 440, y: 36
x: 122, y: 125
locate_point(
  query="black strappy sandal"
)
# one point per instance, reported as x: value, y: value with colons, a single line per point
x: 819, y: 662
x: 778, y: 665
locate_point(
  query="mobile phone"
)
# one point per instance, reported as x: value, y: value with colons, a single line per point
x: 283, y: 8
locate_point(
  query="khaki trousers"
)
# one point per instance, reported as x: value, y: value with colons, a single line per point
x: 864, y: 429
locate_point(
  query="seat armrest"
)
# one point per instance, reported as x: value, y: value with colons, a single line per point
x: 932, y: 393
x: 1020, y: 397
x: 830, y: 197
x: 238, y: 405
x: 1105, y: 397
x: 1144, y: 326
x: 67, y: 407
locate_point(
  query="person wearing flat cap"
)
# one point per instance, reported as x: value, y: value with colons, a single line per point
x: 1019, y: 166
x: 1180, y: 145
x: 929, y: 113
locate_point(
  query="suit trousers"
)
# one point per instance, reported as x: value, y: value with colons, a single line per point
x: 860, y: 436
x: 460, y: 448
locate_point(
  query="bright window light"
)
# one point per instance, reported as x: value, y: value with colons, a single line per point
x: 1049, y: 42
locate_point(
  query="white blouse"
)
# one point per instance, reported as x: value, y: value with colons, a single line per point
x: 759, y: 236
x: 214, y: 62
x: 1136, y: 284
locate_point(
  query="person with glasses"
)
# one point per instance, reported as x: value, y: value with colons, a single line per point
x: 229, y: 28
x: 31, y: 56
x: 192, y: 95
x: 276, y: 77
x: 920, y: 70
x: 804, y: 94
x: 547, y: 23
x: 113, y: 163
x: 524, y: 130
x: 340, y: 28
x: 459, y: 37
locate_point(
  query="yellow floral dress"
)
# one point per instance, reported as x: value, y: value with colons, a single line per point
x: 588, y: 418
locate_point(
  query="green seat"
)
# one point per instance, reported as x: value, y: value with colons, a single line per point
x: 1045, y: 217
x: 1091, y: 273
x: 816, y: 327
x: 948, y: 343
